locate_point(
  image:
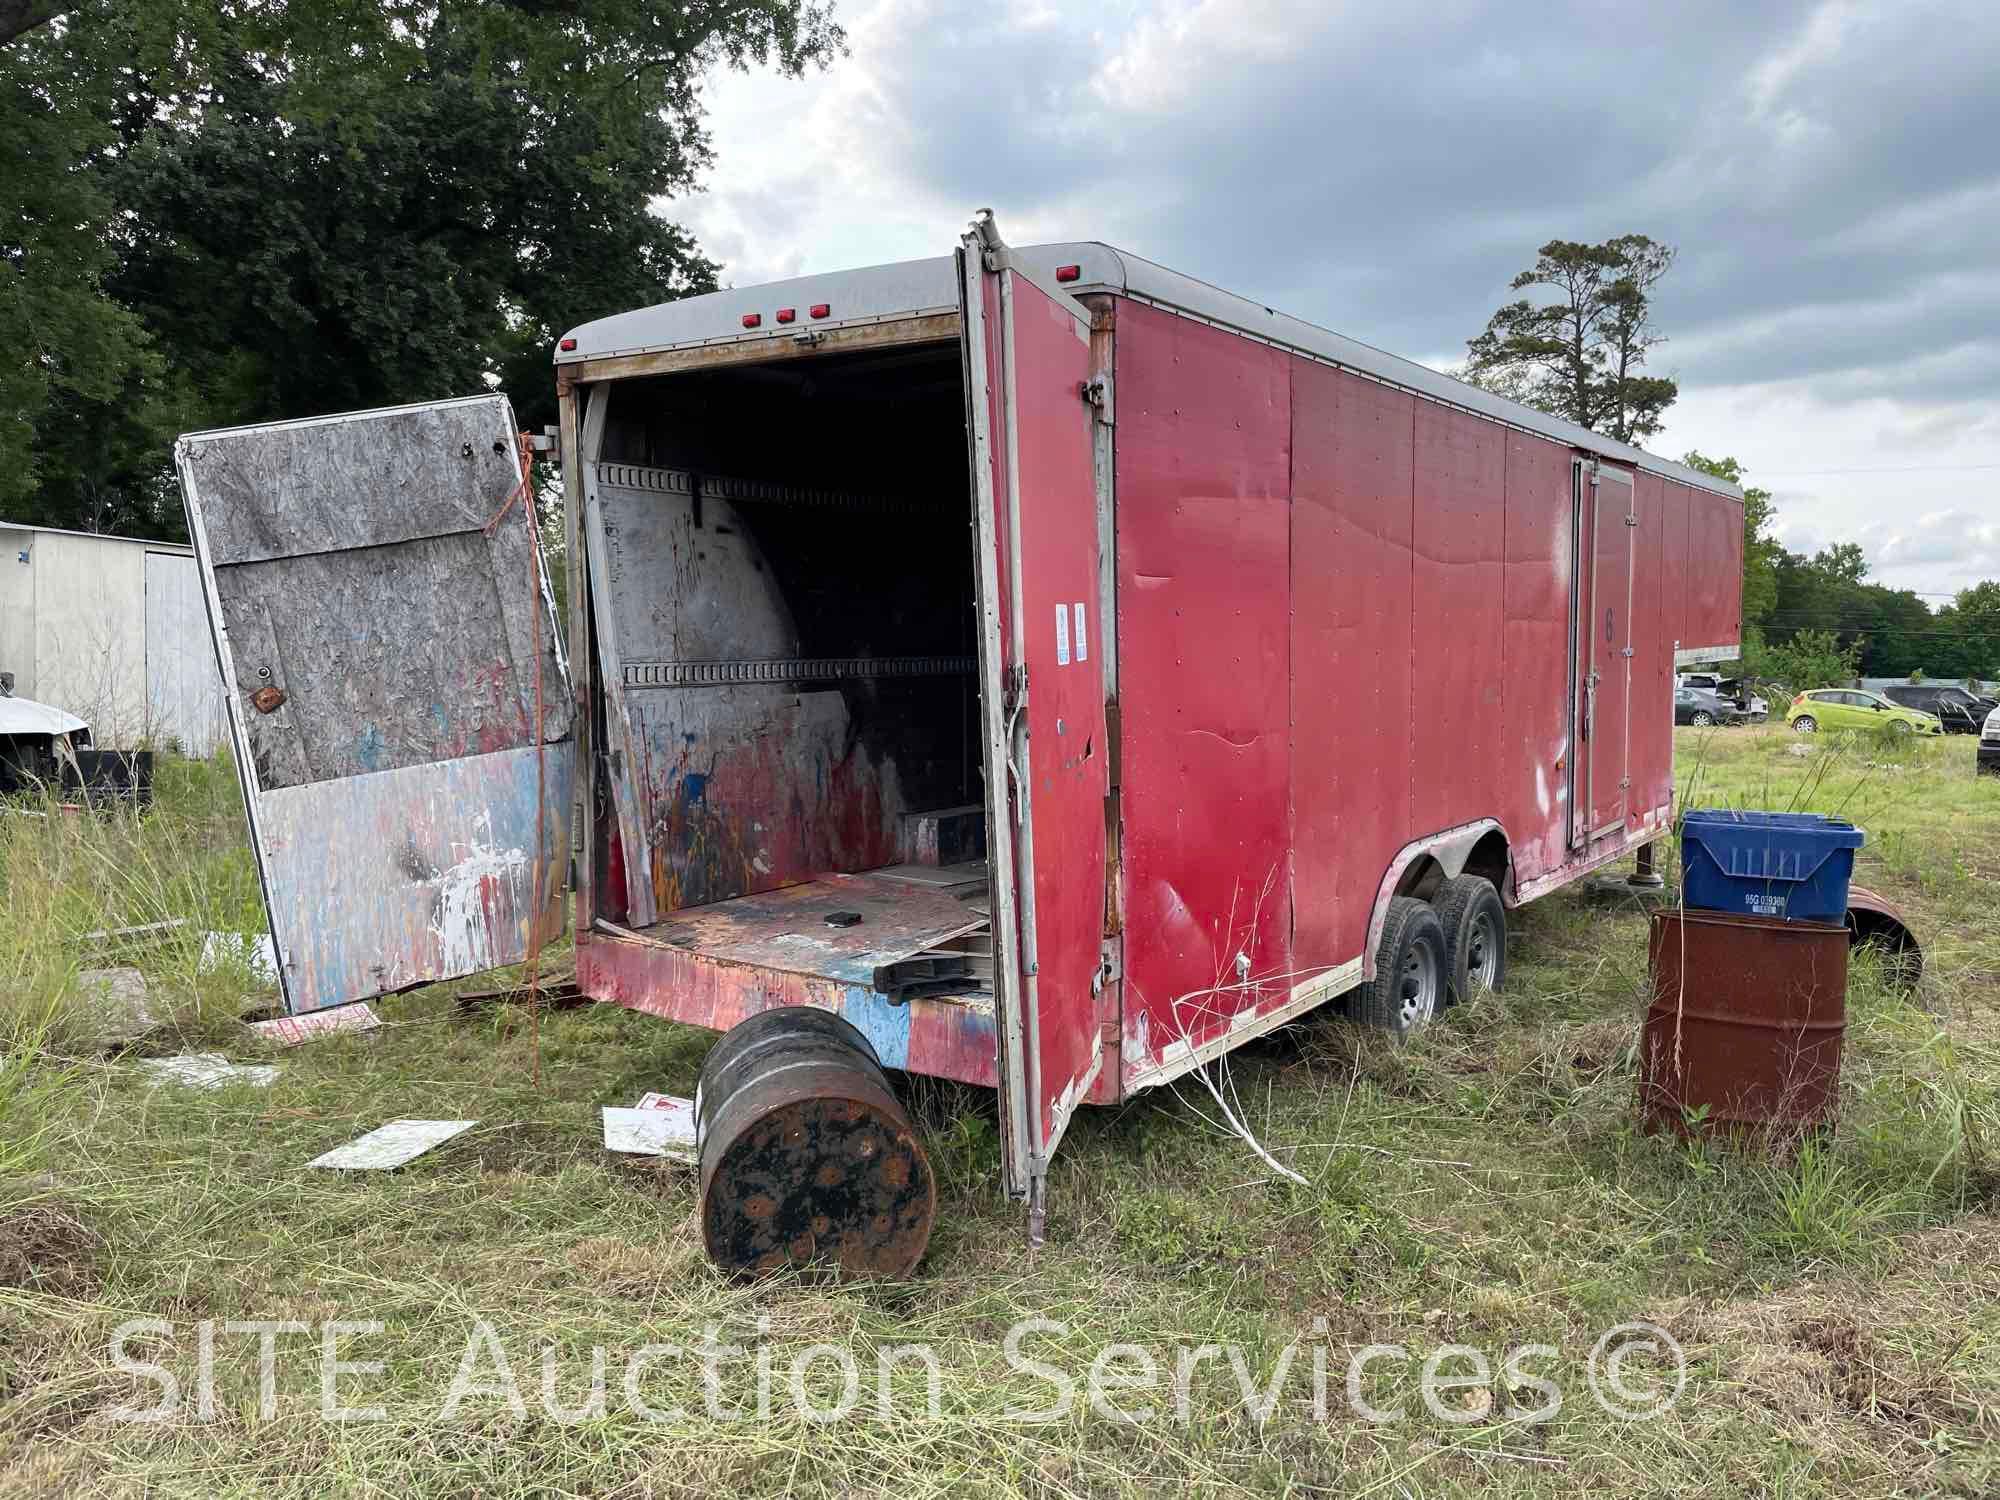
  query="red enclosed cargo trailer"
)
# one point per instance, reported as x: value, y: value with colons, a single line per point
x: 1059, y: 668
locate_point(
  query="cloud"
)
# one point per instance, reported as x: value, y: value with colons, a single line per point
x: 1829, y: 172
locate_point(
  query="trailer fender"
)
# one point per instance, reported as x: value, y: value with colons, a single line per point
x: 1479, y: 846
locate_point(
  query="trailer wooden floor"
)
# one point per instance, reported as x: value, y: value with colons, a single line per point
x: 907, y: 914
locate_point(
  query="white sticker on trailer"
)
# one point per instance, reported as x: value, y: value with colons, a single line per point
x: 1062, y: 635
x: 1082, y: 650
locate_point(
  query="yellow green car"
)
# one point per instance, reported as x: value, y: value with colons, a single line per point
x: 1851, y: 708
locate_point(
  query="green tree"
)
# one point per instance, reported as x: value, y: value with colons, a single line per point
x: 286, y: 207
x: 1810, y: 659
x: 1579, y: 354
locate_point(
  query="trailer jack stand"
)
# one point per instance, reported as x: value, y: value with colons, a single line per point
x: 1647, y: 876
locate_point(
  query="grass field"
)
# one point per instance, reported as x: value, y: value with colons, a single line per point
x: 1839, y: 1309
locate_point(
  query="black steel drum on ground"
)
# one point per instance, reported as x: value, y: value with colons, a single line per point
x: 806, y: 1155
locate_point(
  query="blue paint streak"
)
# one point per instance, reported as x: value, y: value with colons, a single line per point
x: 886, y: 1026
x: 694, y: 787
x: 371, y: 748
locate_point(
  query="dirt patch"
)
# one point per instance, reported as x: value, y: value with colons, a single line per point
x: 46, y: 1248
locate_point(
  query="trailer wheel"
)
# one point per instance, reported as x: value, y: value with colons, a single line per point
x: 1409, y: 983
x: 1475, y: 935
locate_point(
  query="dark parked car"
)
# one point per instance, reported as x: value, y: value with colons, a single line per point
x: 1701, y: 707
x: 1959, y: 711
x: 1989, y: 746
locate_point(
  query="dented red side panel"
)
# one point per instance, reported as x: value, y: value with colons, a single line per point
x: 1203, y: 493
x: 1350, y: 587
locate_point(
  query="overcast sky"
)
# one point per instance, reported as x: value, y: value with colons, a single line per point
x: 1830, y: 173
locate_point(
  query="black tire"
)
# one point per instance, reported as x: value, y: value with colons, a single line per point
x: 1475, y: 936
x: 1702, y: 718
x: 1805, y: 724
x: 1410, y: 970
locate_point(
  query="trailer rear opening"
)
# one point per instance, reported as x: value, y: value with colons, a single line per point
x: 786, y: 623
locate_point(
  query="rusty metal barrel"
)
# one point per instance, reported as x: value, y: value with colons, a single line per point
x: 1744, y: 1033
x: 806, y: 1155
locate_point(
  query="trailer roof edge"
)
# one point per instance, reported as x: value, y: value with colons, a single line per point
x: 900, y: 289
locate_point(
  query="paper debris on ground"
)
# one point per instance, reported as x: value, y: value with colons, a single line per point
x: 118, y: 1004
x: 254, y: 950
x: 662, y: 1125
x: 207, y: 1070
x: 391, y: 1145
x: 289, y: 1031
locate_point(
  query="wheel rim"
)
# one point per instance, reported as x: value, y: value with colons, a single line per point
x: 1899, y: 727
x: 1482, y: 953
x: 1416, y: 994
x: 1703, y: 720
x: 1804, y: 725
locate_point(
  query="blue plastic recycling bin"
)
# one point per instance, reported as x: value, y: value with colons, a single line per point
x: 1795, y: 866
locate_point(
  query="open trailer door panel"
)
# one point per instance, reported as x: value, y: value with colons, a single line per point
x: 387, y: 643
x: 1028, y: 364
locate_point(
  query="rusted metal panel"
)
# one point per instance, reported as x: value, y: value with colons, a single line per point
x: 380, y: 882
x: 806, y: 1154
x: 1204, y: 600
x: 1457, y: 612
x: 1746, y: 1024
x: 1876, y: 922
x: 788, y: 929
x: 1533, y: 760
x: 1350, y: 586
x: 939, y: 1038
x: 382, y: 679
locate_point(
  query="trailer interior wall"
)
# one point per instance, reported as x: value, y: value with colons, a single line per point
x: 1345, y: 623
x: 786, y: 575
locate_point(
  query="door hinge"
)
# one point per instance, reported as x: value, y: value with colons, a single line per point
x: 1092, y: 392
x: 1014, y: 688
x: 1631, y: 520
x: 1626, y: 652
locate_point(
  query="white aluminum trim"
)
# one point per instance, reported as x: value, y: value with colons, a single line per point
x: 1009, y: 1039
x: 925, y: 287
x: 1687, y: 656
x: 1179, y: 1057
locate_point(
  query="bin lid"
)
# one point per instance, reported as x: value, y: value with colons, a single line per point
x: 1769, y: 845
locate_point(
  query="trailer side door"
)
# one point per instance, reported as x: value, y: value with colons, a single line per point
x: 397, y: 692
x: 1030, y: 431
x: 1604, y: 668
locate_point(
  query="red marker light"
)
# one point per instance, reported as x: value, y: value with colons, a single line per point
x: 1068, y: 273
x: 819, y: 309
x: 787, y: 314
x: 566, y: 345
x: 751, y: 320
